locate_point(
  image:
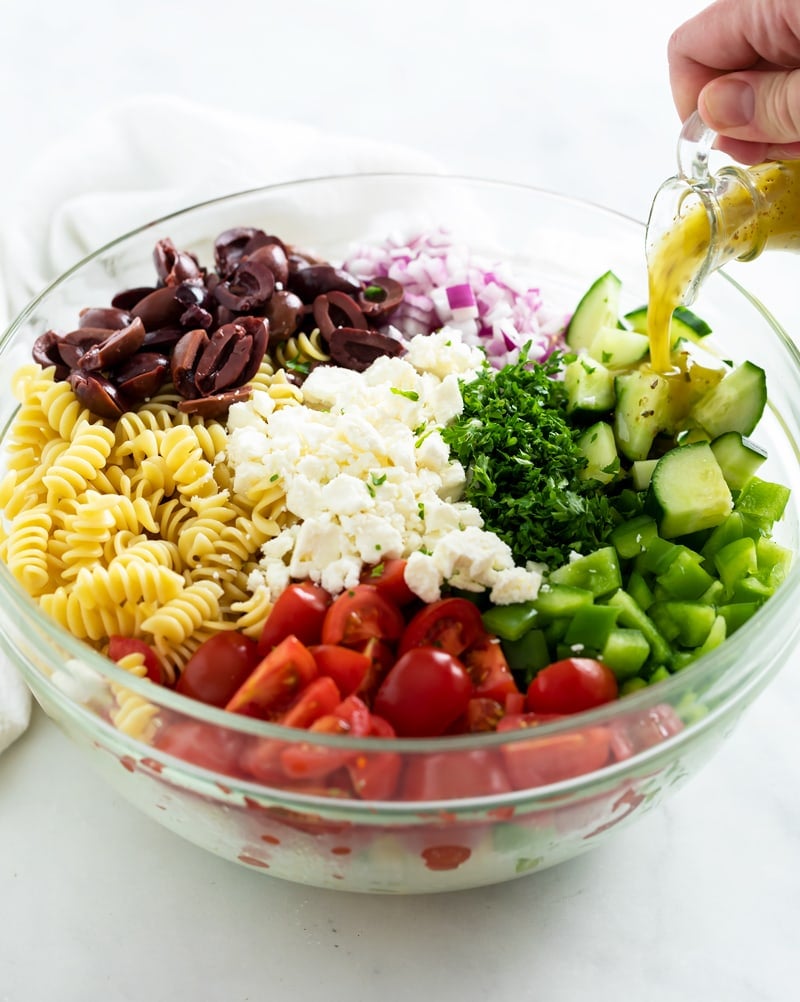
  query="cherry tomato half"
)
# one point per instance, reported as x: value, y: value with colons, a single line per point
x: 454, y: 774
x: 359, y: 614
x: 204, y: 745
x: 423, y: 693
x: 119, y: 647
x: 275, y: 682
x: 218, y: 667
x: 389, y: 578
x: 374, y: 775
x: 451, y: 625
x: 570, y: 686
x: 318, y: 698
x: 299, y: 610
x: 306, y: 760
x: 554, y: 757
x: 347, y: 668
x: 489, y: 670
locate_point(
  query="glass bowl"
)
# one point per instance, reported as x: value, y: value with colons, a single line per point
x: 483, y: 828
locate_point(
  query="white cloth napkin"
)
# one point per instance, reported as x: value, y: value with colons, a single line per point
x: 135, y: 162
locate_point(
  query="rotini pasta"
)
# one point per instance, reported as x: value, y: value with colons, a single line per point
x: 133, y: 527
x: 133, y: 714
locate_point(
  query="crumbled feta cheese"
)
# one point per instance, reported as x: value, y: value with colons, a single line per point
x: 368, y: 476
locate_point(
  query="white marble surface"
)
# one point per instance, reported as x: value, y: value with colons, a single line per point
x: 700, y: 900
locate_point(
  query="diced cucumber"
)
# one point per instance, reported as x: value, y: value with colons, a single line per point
x: 599, y: 447
x: 642, y: 472
x: 589, y: 385
x: 598, y: 572
x: 684, y: 325
x: 618, y: 348
x: 642, y: 411
x: 625, y: 652
x: 739, y: 458
x: 688, y: 492
x: 598, y: 307
x: 736, y: 403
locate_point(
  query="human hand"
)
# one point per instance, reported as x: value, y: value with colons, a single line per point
x: 738, y: 63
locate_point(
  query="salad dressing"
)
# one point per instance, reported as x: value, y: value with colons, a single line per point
x: 701, y: 221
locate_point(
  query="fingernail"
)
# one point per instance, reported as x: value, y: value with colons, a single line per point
x: 728, y: 103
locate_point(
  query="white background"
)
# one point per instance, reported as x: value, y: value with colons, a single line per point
x: 700, y: 900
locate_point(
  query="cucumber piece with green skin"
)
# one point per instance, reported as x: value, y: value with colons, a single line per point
x: 739, y: 457
x: 599, y: 307
x: 599, y: 447
x: 684, y: 325
x: 688, y: 492
x: 736, y: 403
x: 589, y: 386
x: 642, y: 473
x: 618, y: 348
x: 642, y: 411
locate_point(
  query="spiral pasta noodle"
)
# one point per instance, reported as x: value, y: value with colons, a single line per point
x: 300, y: 349
x: 132, y: 713
x: 133, y: 527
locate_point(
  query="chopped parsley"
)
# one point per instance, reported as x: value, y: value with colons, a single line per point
x: 522, y: 461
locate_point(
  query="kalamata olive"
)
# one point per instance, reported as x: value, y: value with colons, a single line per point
x: 233, y: 245
x: 223, y: 359
x: 199, y: 305
x: 109, y: 317
x: 185, y: 356
x: 337, y: 309
x: 159, y: 309
x: 74, y: 345
x: 112, y: 350
x: 283, y: 312
x: 248, y: 288
x: 98, y: 394
x: 174, y: 266
x: 379, y: 297
x: 257, y: 328
x: 317, y: 279
x: 274, y: 257
x: 358, y: 349
x: 163, y: 338
x: 46, y: 353
x: 128, y: 298
x: 142, y: 375
x: 215, y: 405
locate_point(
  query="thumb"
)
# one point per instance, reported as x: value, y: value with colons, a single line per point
x: 759, y: 106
